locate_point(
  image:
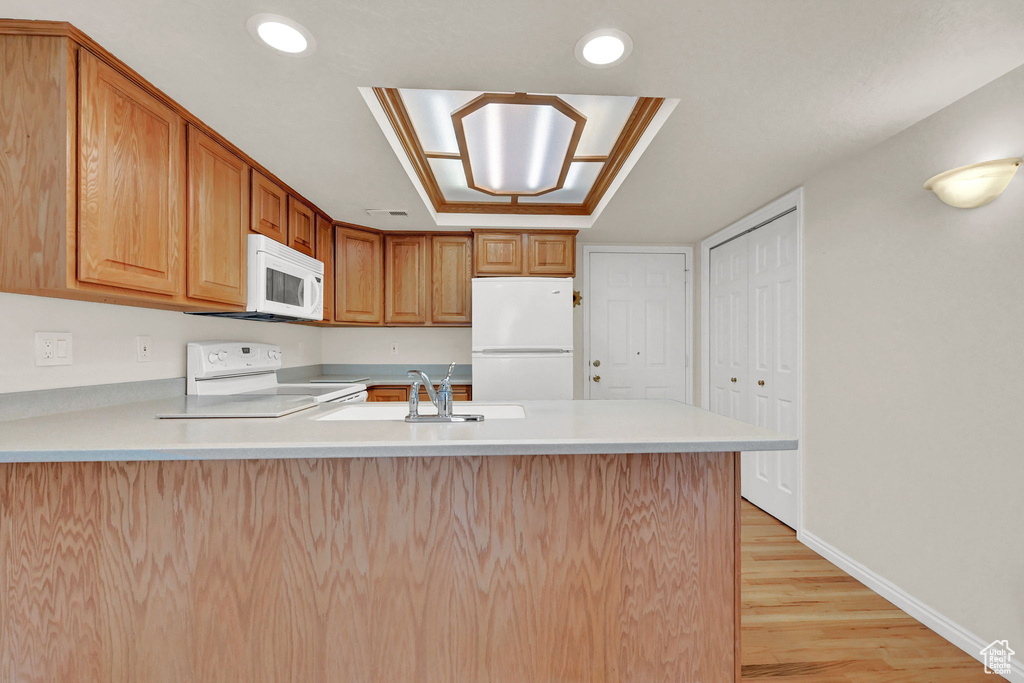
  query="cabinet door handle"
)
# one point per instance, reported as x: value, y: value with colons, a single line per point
x: 760, y: 382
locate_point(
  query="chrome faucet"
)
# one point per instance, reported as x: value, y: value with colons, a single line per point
x: 420, y: 380
x: 442, y: 399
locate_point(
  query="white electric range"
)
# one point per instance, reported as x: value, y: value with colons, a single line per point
x: 239, y: 379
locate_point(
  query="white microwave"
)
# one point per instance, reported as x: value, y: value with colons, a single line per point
x: 283, y: 284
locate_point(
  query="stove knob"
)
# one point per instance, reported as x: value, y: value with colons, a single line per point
x: 213, y: 358
x: 222, y: 355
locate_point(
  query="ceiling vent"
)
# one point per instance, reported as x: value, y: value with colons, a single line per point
x: 386, y: 212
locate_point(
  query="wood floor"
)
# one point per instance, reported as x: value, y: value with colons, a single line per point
x: 804, y: 619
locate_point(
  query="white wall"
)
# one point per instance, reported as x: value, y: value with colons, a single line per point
x: 104, y: 345
x: 423, y: 345
x: 914, y: 366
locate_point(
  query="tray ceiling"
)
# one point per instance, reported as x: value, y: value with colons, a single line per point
x: 507, y: 155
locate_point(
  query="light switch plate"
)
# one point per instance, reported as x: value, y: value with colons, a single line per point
x: 53, y: 348
x: 144, y: 349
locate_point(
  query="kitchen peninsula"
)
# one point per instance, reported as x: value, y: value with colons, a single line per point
x: 589, y: 541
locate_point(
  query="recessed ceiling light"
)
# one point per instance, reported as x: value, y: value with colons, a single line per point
x: 285, y: 36
x: 603, y: 48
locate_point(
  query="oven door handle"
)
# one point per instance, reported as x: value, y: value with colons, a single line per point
x: 352, y: 398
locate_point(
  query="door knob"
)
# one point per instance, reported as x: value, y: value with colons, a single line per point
x: 597, y: 363
x: 760, y: 382
x: 732, y: 379
x: 597, y: 378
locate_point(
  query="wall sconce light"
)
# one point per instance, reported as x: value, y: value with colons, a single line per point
x: 969, y: 187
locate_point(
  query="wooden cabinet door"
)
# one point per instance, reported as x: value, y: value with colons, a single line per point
x: 325, y: 253
x: 460, y: 392
x: 269, y: 208
x: 406, y: 279
x: 301, y: 226
x: 384, y: 394
x: 131, y: 165
x: 553, y: 254
x: 498, y: 253
x: 358, y: 276
x: 451, y: 265
x: 218, y: 221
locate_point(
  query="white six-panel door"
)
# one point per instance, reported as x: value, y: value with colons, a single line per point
x: 637, y: 325
x: 753, y: 354
x: 729, y: 386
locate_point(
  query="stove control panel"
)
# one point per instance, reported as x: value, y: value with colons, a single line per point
x: 207, y: 360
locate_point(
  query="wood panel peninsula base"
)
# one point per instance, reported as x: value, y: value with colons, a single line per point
x: 466, y: 568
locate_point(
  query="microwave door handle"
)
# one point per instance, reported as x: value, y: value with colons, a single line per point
x: 316, y: 303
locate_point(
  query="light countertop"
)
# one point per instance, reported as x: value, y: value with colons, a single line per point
x: 132, y: 432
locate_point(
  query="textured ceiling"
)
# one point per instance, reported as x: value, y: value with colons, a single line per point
x: 770, y: 91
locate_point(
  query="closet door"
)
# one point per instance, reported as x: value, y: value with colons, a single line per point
x: 770, y: 478
x: 753, y: 353
x: 728, y: 299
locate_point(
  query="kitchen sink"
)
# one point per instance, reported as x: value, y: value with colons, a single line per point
x: 398, y: 411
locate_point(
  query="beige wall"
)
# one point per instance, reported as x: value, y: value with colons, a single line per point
x: 104, y: 346
x: 415, y: 345
x: 914, y: 366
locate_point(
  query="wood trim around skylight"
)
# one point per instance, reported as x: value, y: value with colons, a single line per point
x: 640, y: 118
x: 478, y: 103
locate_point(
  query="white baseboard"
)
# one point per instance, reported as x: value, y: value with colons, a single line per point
x: 945, y: 627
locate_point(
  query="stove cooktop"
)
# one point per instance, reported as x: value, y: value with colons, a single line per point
x: 240, y: 405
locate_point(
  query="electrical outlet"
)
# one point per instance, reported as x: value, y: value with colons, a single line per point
x: 53, y: 348
x: 144, y: 349
x: 394, y: 348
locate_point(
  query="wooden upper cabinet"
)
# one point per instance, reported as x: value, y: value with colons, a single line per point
x: 548, y: 254
x: 451, y: 272
x: 301, y: 227
x: 551, y: 254
x: 269, y: 208
x: 131, y: 160
x: 112, y: 192
x: 358, y: 269
x: 406, y: 279
x: 498, y: 253
x: 325, y: 253
x: 218, y: 221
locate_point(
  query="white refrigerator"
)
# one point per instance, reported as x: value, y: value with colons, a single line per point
x: 522, y: 338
